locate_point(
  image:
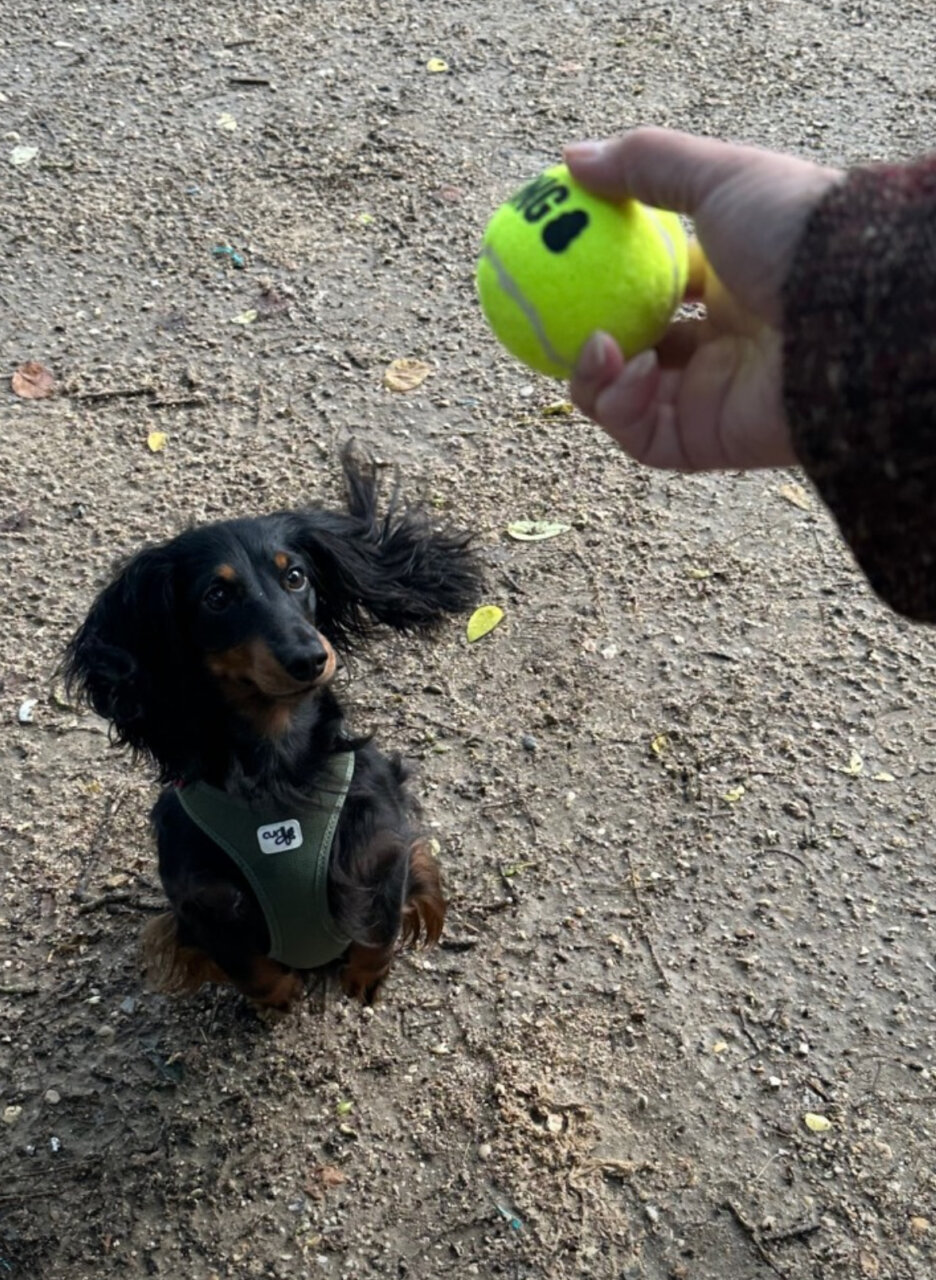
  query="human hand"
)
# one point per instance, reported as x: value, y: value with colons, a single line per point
x: 709, y: 396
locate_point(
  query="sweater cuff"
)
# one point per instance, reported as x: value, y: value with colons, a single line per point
x: 860, y: 373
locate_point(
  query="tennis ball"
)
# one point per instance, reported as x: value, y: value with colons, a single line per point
x: 557, y: 263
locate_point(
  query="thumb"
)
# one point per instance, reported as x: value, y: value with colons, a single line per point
x: 659, y: 167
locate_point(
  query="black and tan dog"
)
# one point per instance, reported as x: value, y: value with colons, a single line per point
x: 284, y: 844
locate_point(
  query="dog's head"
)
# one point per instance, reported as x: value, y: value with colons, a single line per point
x: 244, y: 618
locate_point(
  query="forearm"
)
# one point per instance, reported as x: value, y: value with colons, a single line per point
x: 860, y: 373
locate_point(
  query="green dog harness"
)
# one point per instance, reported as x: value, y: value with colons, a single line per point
x: 284, y: 855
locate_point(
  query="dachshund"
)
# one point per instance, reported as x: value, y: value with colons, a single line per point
x: 286, y: 845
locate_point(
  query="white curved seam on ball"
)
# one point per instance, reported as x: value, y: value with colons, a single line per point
x: 512, y: 289
x: 674, y: 257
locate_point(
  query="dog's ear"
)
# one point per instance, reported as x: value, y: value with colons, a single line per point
x: 118, y: 659
x: 398, y: 569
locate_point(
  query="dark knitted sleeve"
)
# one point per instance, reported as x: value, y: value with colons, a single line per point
x: 860, y: 373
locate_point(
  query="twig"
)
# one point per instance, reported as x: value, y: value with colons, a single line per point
x: 122, y: 897
x: 94, y: 852
x: 18, y: 989
x: 755, y: 1238
x: 184, y: 402
x: 644, y: 931
x: 251, y: 82
x: 747, y: 1031
x: 793, y: 1233
x: 112, y: 393
x: 490, y: 908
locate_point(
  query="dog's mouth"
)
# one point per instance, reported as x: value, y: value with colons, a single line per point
x: 253, y: 669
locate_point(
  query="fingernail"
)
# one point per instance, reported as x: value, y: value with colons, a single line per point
x: 594, y: 357
x: 587, y: 152
x: 641, y: 365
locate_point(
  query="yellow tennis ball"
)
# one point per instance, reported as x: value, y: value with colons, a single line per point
x: 557, y: 263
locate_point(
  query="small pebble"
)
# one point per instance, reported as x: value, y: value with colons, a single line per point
x: 11, y: 1114
x: 528, y: 742
x: 484, y: 1151
x: 53, y: 1096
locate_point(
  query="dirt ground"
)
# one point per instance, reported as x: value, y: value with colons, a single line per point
x: 683, y: 793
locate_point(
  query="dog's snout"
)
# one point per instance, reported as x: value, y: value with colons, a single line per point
x: 307, y: 663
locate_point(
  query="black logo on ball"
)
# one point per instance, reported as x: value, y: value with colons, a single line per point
x: 560, y: 233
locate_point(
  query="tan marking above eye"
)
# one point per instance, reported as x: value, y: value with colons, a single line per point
x: 227, y: 572
x: 281, y: 560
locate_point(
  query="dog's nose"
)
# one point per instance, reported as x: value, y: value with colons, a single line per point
x: 308, y: 663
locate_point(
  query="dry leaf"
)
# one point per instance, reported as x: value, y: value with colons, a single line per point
x: 560, y: 409
x: 700, y: 574
x: 554, y: 1123
x: 482, y: 621
x: 226, y: 122
x: 21, y: 156
x: 797, y: 495
x: 816, y: 1123
x: 536, y: 530
x: 854, y: 766
x: 436, y: 65
x: 344, y: 1108
x: 406, y: 374
x: 734, y: 795
x: 32, y: 381
x: 246, y: 317
x: 156, y: 441
x: 719, y: 1046
x: 884, y: 776
x: 660, y: 745
x: 331, y: 1176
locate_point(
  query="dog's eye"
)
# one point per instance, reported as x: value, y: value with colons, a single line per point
x: 294, y: 579
x: 217, y: 597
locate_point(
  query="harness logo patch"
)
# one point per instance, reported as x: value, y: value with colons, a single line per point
x: 277, y: 837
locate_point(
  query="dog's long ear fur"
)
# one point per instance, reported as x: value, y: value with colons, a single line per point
x: 119, y: 658
x: 398, y: 569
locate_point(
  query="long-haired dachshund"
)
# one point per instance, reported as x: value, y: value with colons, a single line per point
x: 284, y: 843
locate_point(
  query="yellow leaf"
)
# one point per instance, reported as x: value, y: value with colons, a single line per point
x: 536, y: 530
x: 482, y: 621
x: 245, y: 317
x: 797, y: 495
x: 734, y: 795
x: 884, y: 776
x: 854, y: 766
x: 156, y: 441
x: 406, y: 374
x: 700, y: 574
x: 365, y: 219
x: 560, y: 409
x: 719, y: 1047
x: 344, y: 1108
x: 226, y: 122
x: 817, y: 1123
x: 436, y: 65
x: 660, y: 745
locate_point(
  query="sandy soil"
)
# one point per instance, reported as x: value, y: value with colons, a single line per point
x: 683, y: 793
